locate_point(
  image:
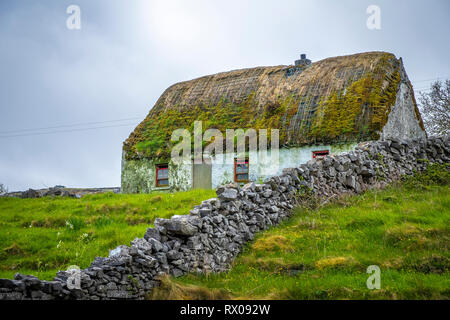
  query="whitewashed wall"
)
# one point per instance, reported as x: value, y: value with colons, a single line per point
x: 223, y: 165
x: 139, y: 176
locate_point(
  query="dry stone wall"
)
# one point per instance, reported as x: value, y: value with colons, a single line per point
x: 210, y: 237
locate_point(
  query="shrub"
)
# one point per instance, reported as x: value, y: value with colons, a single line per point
x: 3, y: 189
x: 435, y: 174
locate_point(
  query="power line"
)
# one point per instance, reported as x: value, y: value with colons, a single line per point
x: 422, y: 88
x: 63, y: 131
x: 68, y: 125
x: 438, y: 78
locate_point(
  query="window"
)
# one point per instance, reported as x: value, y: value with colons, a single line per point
x: 320, y: 154
x: 162, y: 175
x: 241, y: 170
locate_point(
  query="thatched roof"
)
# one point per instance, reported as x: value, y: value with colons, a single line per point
x: 338, y: 99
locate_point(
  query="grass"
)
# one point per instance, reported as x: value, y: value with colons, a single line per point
x: 170, y: 290
x: 42, y: 236
x: 324, y: 252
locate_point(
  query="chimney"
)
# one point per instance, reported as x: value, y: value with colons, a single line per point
x: 303, y: 62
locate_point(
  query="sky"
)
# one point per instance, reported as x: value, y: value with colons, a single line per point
x: 70, y: 97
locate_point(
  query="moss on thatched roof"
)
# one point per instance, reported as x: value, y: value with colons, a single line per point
x: 339, y: 99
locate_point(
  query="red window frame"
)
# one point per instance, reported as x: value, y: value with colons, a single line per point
x: 236, y: 162
x: 320, y: 154
x: 160, y: 167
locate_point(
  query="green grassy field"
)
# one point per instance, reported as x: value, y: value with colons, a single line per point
x: 42, y: 236
x: 324, y: 252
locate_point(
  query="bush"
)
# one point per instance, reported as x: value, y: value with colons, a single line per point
x: 435, y: 174
x: 3, y: 189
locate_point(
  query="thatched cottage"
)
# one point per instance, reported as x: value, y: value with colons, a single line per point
x: 319, y: 108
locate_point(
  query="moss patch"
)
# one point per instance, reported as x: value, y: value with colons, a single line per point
x: 342, y: 99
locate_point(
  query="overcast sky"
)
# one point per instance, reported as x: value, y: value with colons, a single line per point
x: 127, y: 52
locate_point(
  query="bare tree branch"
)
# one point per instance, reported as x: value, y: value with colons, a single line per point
x: 435, y: 108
